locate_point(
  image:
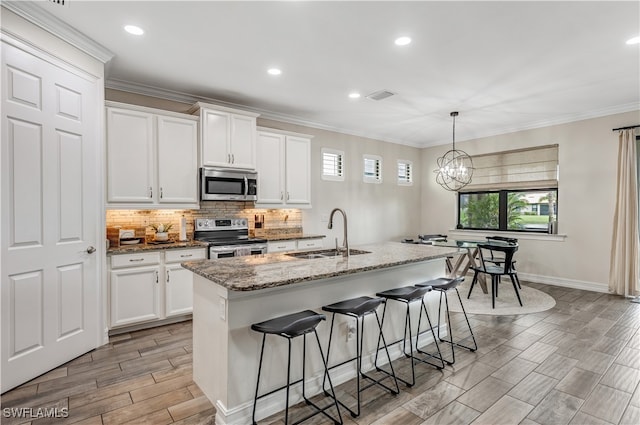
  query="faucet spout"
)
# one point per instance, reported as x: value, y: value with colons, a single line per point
x: 345, y: 242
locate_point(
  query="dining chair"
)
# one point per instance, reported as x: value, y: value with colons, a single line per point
x: 498, y: 259
x: 496, y: 271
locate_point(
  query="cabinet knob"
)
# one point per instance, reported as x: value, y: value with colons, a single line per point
x: 167, y: 276
x: 160, y: 192
x: 150, y: 192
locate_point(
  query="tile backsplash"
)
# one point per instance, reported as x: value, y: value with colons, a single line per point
x: 277, y: 220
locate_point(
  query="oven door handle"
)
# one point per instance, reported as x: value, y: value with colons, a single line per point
x: 246, y: 186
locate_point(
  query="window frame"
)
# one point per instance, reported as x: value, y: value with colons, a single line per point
x: 329, y: 177
x: 369, y: 179
x: 408, y: 179
x: 503, y: 222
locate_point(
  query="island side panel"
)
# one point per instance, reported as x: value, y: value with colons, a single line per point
x: 247, y: 307
x: 210, y: 339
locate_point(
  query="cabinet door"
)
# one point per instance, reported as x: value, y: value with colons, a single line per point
x: 177, y: 160
x: 270, y: 167
x: 130, y: 156
x: 243, y: 142
x: 135, y: 295
x: 298, y: 174
x: 178, y: 290
x: 215, y: 138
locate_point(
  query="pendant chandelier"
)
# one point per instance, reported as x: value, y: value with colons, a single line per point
x: 455, y: 168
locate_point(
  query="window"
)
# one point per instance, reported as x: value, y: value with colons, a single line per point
x: 332, y: 165
x: 512, y: 191
x: 508, y: 210
x: 372, y: 169
x: 405, y: 172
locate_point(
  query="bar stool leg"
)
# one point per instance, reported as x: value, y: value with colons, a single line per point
x: 333, y: 317
x: 286, y: 409
x: 475, y: 344
x: 439, y: 357
x: 255, y: 399
x: 386, y: 349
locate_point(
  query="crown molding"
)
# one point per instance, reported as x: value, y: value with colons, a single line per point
x: 43, y: 19
x: 181, y: 97
x: 290, y: 119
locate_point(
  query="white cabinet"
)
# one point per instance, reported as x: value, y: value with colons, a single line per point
x: 135, y: 291
x: 179, y: 281
x: 150, y: 286
x: 152, y: 158
x: 281, y: 246
x: 294, y: 245
x: 227, y: 136
x: 284, y: 169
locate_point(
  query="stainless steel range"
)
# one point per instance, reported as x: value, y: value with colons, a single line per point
x: 228, y: 237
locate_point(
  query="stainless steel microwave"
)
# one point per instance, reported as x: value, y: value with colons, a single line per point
x: 222, y: 184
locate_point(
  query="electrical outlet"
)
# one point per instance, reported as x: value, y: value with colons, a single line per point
x: 351, y: 332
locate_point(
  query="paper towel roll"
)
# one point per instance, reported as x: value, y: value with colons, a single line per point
x: 183, y: 229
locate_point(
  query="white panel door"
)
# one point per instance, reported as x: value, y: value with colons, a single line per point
x: 130, y: 156
x: 298, y: 175
x: 177, y: 160
x: 49, y: 215
x: 270, y: 167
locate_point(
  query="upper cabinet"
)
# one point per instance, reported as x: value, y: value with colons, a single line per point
x: 152, y: 158
x: 227, y: 136
x: 284, y: 169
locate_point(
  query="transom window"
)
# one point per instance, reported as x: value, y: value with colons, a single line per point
x: 405, y: 172
x: 332, y: 164
x: 372, y: 169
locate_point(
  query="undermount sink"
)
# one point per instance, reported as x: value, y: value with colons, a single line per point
x: 325, y: 253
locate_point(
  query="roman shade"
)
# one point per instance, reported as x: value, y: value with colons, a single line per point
x: 530, y: 168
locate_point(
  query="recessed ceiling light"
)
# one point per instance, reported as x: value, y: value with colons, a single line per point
x: 354, y: 95
x: 132, y: 29
x: 274, y: 71
x: 634, y: 40
x: 403, y: 41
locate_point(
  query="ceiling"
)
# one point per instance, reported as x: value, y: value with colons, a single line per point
x: 505, y: 66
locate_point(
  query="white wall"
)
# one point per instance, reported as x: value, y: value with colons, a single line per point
x: 588, y: 152
x: 376, y: 212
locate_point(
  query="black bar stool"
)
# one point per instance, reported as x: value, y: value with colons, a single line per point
x: 407, y: 295
x: 289, y: 327
x: 444, y: 285
x: 358, y: 308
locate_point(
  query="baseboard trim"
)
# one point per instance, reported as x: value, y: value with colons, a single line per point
x: 565, y: 283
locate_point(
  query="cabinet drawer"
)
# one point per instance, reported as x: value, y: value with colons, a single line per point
x: 180, y: 255
x: 132, y: 260
x: 310, y: 244
x: 281, y: 246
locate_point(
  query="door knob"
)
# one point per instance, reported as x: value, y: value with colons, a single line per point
x: 91, y: 250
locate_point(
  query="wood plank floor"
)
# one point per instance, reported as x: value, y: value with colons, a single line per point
x: 578, y: 363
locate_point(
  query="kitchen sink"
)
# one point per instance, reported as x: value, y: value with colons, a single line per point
x: 325, y: 253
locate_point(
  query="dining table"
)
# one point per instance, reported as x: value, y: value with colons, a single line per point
x: 468, y: 257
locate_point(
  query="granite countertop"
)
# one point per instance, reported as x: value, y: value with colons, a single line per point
x: 252, y: 273
x: 128, y: 249
x: 290, y: 236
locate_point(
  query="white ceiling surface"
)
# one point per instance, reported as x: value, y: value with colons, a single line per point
x: 506, y: 66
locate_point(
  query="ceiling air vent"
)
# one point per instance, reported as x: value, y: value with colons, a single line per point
x: 60, y: 2
x: 380, y: 95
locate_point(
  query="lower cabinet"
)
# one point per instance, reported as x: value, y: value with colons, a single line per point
x: 150, y: 286
x: 294, y: 245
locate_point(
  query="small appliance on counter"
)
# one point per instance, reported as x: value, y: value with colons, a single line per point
x: 118, y: 237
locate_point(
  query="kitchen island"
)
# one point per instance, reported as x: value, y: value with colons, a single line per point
x: 231, y: 294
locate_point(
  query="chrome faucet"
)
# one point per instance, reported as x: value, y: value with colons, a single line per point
x: 345, y: 242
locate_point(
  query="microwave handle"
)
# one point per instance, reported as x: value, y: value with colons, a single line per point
x: 246, y: 186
